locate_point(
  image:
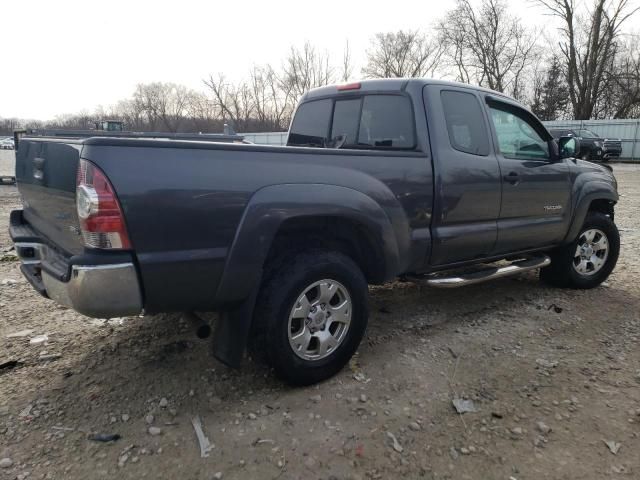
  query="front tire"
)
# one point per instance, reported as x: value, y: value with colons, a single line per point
x: 588, y: 260
x: 312, y: 312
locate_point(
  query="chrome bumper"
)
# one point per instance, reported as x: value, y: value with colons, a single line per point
x: 99, y: 291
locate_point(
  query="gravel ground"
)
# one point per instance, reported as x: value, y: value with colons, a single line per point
x: 7, y: 163
x: 553, y: 374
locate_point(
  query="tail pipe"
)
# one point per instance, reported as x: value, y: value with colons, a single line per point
x: 200, y: 325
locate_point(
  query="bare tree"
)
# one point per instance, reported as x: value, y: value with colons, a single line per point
x: 203, y: 113
x: 488, y: 45
x: 305, y: 69
x: 272, y: 99
x: 402, y: 54
x: 589, y: 45
x: 131, y: 113
x: 234, y: 101
x: 165, y: 104
x: 347, y: 64
x: 622, y: 92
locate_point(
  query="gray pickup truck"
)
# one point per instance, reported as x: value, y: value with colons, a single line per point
x: 435, y: 182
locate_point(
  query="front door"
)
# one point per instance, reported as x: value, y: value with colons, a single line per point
x: 535, y: 208
x: 466, y: 173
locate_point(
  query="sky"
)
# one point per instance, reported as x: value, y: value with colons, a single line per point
x: 64, y: 56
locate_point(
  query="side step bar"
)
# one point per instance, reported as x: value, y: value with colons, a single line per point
x: 484, y: 275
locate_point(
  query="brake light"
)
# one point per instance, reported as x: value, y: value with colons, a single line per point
x: 349, y: 86
x: 101, y: 220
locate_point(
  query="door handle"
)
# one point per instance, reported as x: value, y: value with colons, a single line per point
x: 513, y: 178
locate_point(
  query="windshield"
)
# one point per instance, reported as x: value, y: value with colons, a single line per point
x: 587, y: 133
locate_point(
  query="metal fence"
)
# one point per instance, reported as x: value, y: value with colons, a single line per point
x: 266, y: 138
x: 626, y: 130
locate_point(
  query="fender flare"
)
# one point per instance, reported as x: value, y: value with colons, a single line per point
x: 270, y: 206
x: 593, y: 190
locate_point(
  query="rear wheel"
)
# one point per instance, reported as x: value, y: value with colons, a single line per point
x: 312, y: 313
x: 589, y: 259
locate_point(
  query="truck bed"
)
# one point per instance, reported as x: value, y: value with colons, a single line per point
x: 184, y: 200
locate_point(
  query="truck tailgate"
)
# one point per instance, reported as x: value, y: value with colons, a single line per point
x: 46, y: 174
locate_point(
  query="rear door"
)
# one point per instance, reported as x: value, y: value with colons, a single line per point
x: 467, y: 176
x: 536, y: 190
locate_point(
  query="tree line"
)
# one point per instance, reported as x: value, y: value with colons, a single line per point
x: 588, y: 68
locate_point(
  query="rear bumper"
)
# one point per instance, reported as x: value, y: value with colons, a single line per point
x: 94, y: 288
x: 100, y: 291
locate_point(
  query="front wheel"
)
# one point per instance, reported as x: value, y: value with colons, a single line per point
x: 589, y: 259
x: 312, y: 312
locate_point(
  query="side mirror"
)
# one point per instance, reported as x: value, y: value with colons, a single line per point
x: 568, y: 146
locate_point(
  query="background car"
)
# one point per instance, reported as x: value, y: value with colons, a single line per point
x: 7, y: 144
x: 592, y: 145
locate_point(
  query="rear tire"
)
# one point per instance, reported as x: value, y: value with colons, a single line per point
x: 311, y: 315
x: 588, y: 260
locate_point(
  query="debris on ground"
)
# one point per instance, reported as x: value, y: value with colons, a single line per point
x: 45, y: 357
x: 464, y: 406
x: 614, y: 447
x: 544, y: 363
x: 9, y: 364
x: 203, y: 441
x: 415, y: 426
x: 20, y: 334
x: 394, y: 442
x: 360, y: 377
x: 555, y: 308
x: 259, y: 441
x: 104, y: 437
x: 543, y: 428
x: 38, y: 340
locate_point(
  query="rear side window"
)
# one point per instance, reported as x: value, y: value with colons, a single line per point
x: 387, y: 121
x: 370, y: 122
x: 346, y: 115
x: 465, y: 122
x: 311, y: 123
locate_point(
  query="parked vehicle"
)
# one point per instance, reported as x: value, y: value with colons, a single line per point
x: 592, y: 146
x: 7, y: 144
x: 428, y: 180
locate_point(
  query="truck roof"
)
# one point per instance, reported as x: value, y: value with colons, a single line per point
x: 394, y: 84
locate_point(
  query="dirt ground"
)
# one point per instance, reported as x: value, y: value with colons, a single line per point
x: 553, y: 374
x: 7, y: 163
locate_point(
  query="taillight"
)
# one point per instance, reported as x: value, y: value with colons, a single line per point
x: 101, y: 220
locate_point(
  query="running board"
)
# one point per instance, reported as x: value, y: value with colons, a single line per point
x: 484, y: 275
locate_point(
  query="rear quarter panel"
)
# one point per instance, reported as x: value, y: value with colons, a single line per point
x: 183, y: 205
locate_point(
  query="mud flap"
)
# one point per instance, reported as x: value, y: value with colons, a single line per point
x: 231, y: 331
